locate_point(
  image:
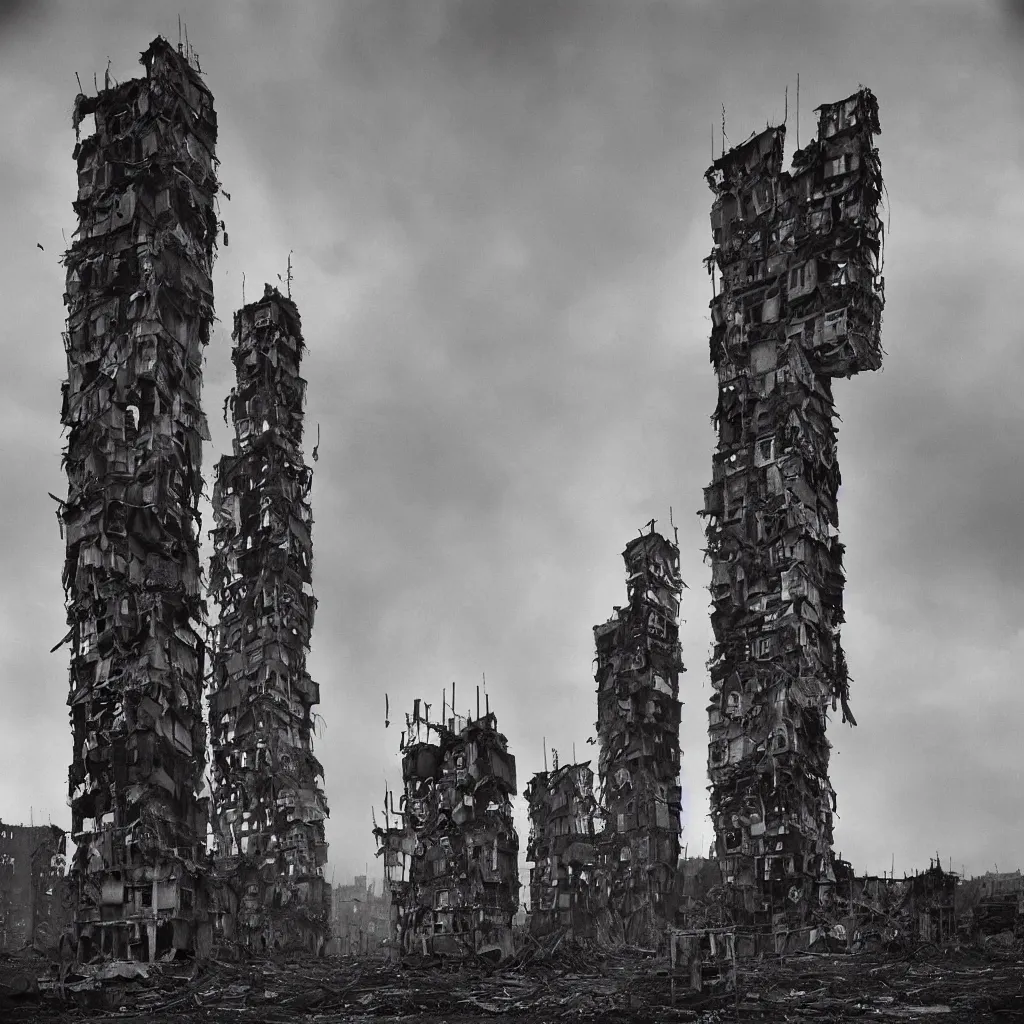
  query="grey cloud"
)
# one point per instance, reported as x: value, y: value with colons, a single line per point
x: 498, y: 214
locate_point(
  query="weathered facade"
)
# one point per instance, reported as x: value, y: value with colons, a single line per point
x: 269, y: 808
x: 562, y: 848
x: 452, y: 860
x: 140, y: 304
x: 991, y: 903
x: 639, y: 659
x: 360, y: 918
x: 31, y: 886
x: 800, y: 303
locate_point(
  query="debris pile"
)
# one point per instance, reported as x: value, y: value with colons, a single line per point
x: 452, y: 861
x: 639, y: 659
x: 562, y: 979
x: 140, y: 304
x: 562, y: 850
x: 268, y: 806
x: 800, y: 303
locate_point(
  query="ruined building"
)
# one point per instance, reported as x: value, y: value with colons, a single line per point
x: 639, y: 659
x: 451, y: 858
x: 800, y: 303
x: 268, y: 807
x: 140, y: 303
x: 562, y: 849
x: 31, y: 886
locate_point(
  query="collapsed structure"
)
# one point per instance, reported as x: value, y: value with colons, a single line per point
x: 800, y: 303
x: 269, y: 809
x: 140, y: 304
x: 562, y: 850
x: 639, y: 659
x: 31, y: 885
x: 451, y: 862
x: 917, y: 908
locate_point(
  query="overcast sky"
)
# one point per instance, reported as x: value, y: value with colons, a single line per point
x: 498, y: 216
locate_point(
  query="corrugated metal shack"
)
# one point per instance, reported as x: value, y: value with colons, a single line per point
x: 562, y: 849
x: 798, y: 300
x: 140, y: 304
x: 638, y: 664
x: 268, y: 805
x: 451, y: 861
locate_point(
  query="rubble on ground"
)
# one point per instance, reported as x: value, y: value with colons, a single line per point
x: 578, y: 981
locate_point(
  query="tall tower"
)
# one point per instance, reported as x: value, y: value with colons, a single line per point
x: 140, y: 303
x: 269, y: 809
x: 800, y: 303
x: 639, y: 659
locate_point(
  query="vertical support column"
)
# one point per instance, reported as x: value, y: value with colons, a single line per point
x: 269, y: 808
x: 140, y: 304
x: 798, y: 256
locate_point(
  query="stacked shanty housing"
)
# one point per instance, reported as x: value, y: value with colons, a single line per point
x: 562, y: 849
x: 451, y: 858
x: 140, y: 304
x: 639, y: 659
x: 268, y: 805
x: 798, y: 259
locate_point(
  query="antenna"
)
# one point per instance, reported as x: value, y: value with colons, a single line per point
x: 478, y: 702
x: 243, y: 287
x: 785, y: 116
x: 290, y: 251
x: 544, y: 744
x: 798, y: 110
x: 179, y: 33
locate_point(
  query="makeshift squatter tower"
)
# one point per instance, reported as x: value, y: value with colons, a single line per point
x: 269, y: 809
x: 639, y: 659
x: 140, y: 303
x: 800, y: 303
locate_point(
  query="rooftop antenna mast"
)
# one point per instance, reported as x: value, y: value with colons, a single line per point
x: 290, y: 251
x: 798, y: 110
